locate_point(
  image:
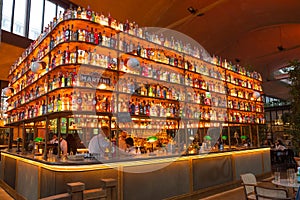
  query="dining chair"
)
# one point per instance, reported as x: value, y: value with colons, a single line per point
x: 249, y: 182
x: 297, y: 160
x: 266, y: 193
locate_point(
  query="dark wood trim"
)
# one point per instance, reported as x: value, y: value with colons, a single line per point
x: 12, y: 16
x: 1, y: 6
x: 27, y: 18
x: 56, y: 10
x: 43, y: 16
x: 63, y: 3
x: 16, y: 40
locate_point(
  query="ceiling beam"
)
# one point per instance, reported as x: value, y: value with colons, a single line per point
x: 14, y: 39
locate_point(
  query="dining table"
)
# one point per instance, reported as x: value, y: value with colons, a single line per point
x: 291, y: 187
x: 286, y: 183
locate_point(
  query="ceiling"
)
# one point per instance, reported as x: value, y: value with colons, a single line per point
x: 8, y: 55
x: 247, y: 31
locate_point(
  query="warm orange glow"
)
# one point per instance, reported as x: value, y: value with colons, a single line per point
x: 117, y: 165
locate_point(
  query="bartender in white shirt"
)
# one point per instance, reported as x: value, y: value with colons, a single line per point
x: 63, y: 146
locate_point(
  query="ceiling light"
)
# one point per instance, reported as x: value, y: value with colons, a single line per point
x: 194, y: 11
x: 280, y: 48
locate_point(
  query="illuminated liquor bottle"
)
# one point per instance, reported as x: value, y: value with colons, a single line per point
x: 96, y: 37
x: 58, y: 104
x: 67, y: 55
x: 67, y: 34
x: 94, y: 102
x: 89, y: 102
x: 88, y: 13
x: 67, y: 101
x: 50, y: 105
x: 87, y: 34
x: 79, y: 101
x: 100, y: 38
x: 52, y: 43
x: 74, y: 104
x: 78, y: 12
x: 83, y: 13
x: 92, y: 36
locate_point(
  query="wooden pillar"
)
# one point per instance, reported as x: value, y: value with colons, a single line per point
x: 35, y: 134
x: 76, y: 190
x: 58, y: 135
x: 109, y: 137
x: 250, y: 131
x: 23, y: 138
x: 257, y: 132
x: 241, y: 130
x: 109, y: 185
x: 229, y: 138
x: 46, y: 138
x: 10, y: 138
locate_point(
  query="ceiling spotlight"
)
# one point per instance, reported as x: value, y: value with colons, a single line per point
x: 280, y: 48
x: 194, y: 11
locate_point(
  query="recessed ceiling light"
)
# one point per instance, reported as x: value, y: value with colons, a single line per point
x: 280, y: 48
x: 194, y: 11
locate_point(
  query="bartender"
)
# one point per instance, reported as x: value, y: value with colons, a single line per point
x: 63, y: 146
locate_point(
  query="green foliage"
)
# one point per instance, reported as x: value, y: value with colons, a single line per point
x: 295, y: 107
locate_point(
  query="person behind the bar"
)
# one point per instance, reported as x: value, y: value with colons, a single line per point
x: 54, y: 141
x: 63, y: 146
x: 99, y: 143
x: 122, y: 142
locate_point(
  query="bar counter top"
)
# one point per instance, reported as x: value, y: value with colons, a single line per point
x: 55, y: 163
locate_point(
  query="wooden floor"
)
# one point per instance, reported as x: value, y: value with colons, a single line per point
x: 234, y: 194
x: 4, y: 195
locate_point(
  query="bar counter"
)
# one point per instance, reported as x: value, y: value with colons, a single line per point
x: 165, y: 177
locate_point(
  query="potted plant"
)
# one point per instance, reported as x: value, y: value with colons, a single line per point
x: 294, y: 77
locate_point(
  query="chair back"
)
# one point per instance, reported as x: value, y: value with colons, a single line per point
x: 249, y: 181
x: 297, y: 160
x: 265, y: 193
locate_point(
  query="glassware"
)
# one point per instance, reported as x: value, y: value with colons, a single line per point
x: 277, y: 176
x: 291, y: 176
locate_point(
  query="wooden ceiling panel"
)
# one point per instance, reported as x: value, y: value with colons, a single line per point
x: 8, y: 55
x: 250, y: 30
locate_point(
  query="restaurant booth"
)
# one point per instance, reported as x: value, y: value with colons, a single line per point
x: 194, y: 119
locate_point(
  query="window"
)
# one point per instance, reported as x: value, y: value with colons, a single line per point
x: 15, y: 16
x: 6, y: 14
x: 50, y: 11
x: 19, y: 18
x: 36, y: 17
x: 59, y: 10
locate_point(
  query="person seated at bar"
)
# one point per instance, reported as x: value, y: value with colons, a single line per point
x: 130, y: 146
x: 279, y: 145
x: 280, y: 151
